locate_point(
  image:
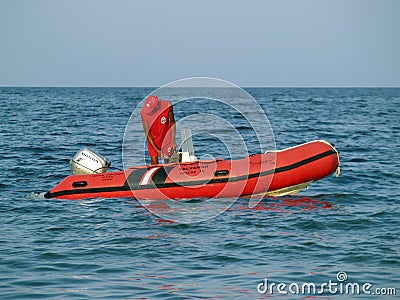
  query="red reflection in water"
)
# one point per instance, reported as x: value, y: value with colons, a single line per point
x: 165, y: 221
x: 285, y: 205
x: 152, y: 276
x: 158, y: 206
x: 156, y: 236
x: 289, y: 204
x: 170, y: 287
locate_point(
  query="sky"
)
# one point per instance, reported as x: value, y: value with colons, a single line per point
x: 267, y: 43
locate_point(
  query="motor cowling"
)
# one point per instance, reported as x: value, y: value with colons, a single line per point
x: 87, y: 161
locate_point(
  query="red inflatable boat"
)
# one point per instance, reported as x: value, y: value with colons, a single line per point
x: 273, y: 173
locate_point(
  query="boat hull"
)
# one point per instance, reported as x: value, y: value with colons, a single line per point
x: 273, y: 173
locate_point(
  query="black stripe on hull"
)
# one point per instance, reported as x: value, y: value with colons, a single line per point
x: 159, y: 181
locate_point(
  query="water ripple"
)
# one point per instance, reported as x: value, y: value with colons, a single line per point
x: 115, y: 248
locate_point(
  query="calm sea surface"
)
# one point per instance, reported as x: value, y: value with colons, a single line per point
x: 116, y: 249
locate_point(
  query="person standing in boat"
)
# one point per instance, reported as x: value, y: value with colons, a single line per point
x: 159, y: 126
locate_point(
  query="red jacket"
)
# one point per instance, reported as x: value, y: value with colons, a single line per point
x: 159, y: 125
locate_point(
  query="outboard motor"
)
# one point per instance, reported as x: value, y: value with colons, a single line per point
x: 87, y: 161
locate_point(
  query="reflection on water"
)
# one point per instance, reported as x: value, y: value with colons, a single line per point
x: 116, y: 249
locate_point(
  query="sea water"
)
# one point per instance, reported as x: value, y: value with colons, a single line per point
x: 341, y: 230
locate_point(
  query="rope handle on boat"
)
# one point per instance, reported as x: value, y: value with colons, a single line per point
x: 113, y: 168
x: 108, y: 166
x: 338, y: 157
x: 338, y: 171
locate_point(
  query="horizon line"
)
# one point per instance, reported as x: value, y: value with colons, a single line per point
x: 148, y: 86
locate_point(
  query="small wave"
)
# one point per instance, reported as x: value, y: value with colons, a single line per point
x: 33, y: 195
x: 357, y: 160
x: 90, y: 201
